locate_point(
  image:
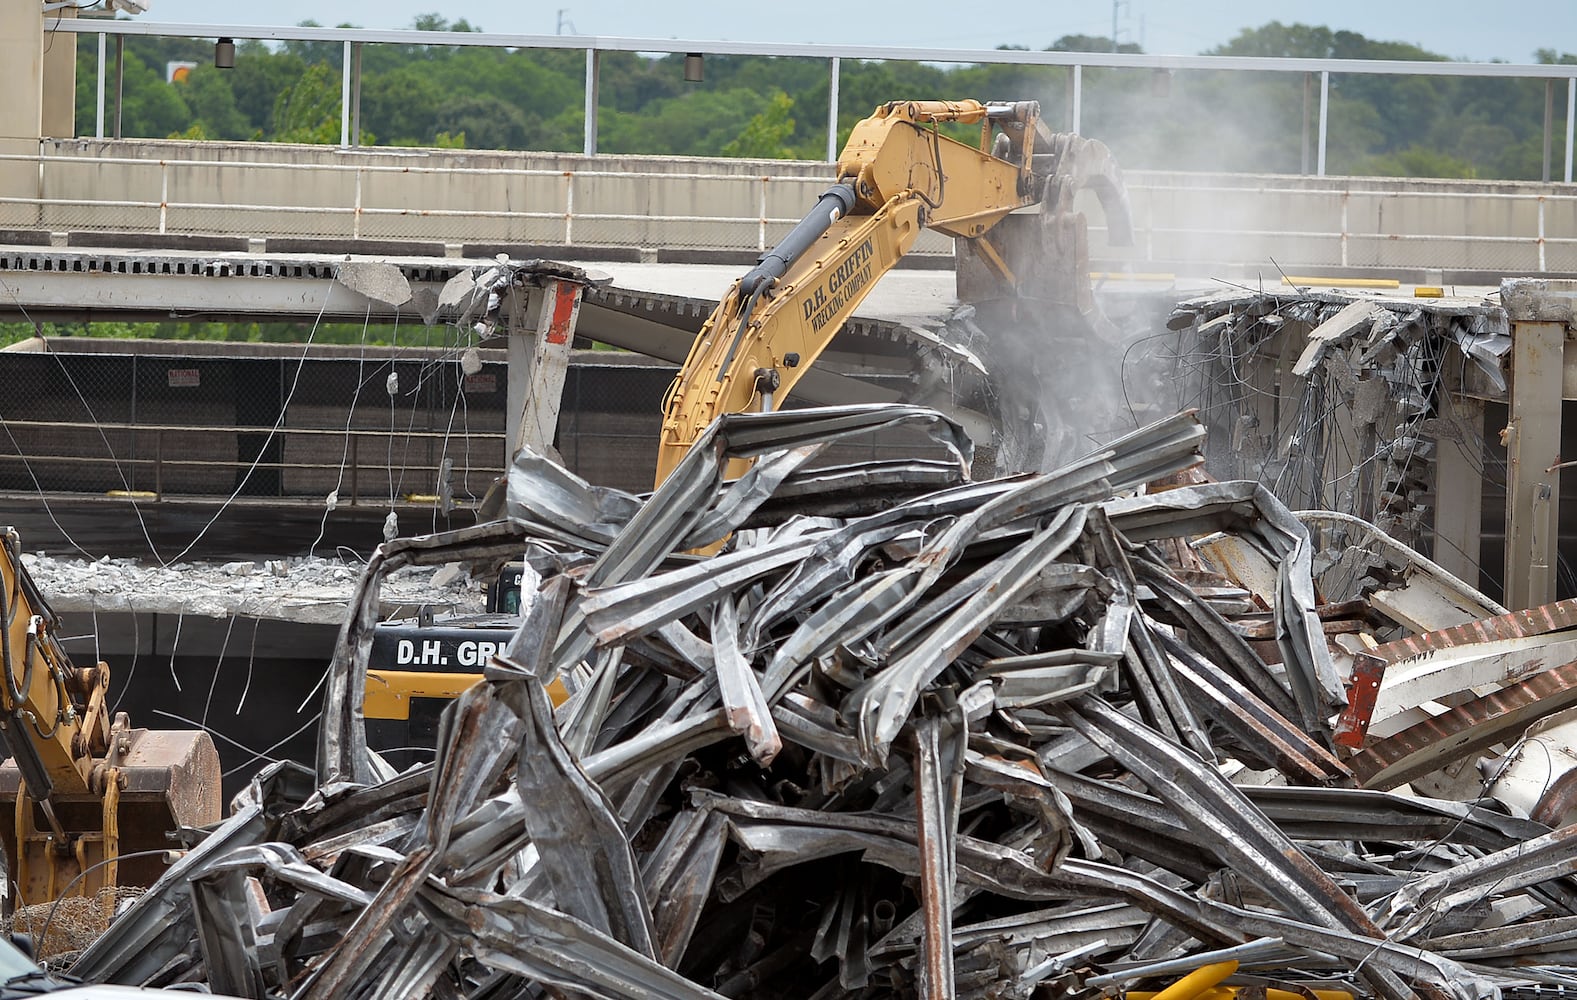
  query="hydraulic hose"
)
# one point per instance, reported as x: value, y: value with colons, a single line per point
x: 833, y: 205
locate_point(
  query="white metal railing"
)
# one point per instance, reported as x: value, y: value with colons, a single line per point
x: 566, y: 213
x: 178, y: 196
x: 352, y: 39
x: 1538, y: 239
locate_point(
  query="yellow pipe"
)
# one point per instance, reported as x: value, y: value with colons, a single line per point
x: 1231, y: 993
x: 1343, y: 282
x: 1132, y: 276
x: 1198, y: 981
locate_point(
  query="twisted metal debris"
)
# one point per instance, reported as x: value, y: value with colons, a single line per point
x: 1337, y: 401
x: 975, y: 740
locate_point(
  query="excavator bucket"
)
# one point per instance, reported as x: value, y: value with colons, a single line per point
x: 153, y: 783
x: 1045, y: 254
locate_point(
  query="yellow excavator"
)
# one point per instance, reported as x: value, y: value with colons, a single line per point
x: 898, y: 174
x: 86, y: 802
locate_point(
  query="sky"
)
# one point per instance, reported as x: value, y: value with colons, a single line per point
x: 1461, y: 29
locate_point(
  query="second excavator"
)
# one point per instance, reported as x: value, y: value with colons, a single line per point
x: 86, y: 801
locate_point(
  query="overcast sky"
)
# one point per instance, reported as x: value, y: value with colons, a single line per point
x: 1467, y: 29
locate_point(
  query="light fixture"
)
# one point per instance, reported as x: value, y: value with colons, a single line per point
x: 692, y: 67
x: 224, y: 53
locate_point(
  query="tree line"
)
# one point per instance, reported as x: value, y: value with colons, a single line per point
x: 747, y: 106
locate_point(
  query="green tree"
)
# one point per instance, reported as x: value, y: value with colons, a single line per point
x: 207, y: 93
x: 150, y: 107
x: 766, y: 136
x: 309, y: 111
x: 402, y: 105
x: 487, y: 122
x: 1414, y: 161
x: 1089, y: 43
x: 260, y: 76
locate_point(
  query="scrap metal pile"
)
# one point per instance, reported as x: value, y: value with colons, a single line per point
x: 903, y: 735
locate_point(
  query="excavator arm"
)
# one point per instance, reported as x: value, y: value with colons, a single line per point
x: 757, y: 345
x: 897, y: 175
x: 53, y: 717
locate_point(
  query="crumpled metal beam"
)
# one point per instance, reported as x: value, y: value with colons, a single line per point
x: 987, y: 741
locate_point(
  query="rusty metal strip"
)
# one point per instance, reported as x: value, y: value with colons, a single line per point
x: 1465, y: 729
x: 1369, y: 667
x: 937, y: 843
x: 1516, y: 625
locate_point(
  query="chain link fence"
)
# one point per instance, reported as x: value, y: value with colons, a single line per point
x: 182, y: 419
x: 377, y: 426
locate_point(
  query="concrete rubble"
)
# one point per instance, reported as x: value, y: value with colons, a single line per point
x: 906, y: 734
x: 310, y: 590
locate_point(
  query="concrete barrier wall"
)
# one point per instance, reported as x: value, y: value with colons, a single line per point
x: 1188, y: 223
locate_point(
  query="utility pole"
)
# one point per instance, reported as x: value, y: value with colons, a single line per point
x: 1115, y: 5
x: 563, y: 21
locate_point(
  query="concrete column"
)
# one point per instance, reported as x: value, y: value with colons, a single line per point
x: 1533, y: 446
x: 60, y: 79
x: 1459, y: 489
x: 21, y: 112
x: 541, y: 332
x: 21, y: 68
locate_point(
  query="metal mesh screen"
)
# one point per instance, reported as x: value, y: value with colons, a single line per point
x: 260, y: 426
x: 387, y: 425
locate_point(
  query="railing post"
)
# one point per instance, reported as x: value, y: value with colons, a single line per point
x: 355, y: 466
x: 164, y: 194
x: 569, y: 208
x: 1549, y: 126
x: 1325, y: 105
x: 132, y: 433
x: 1346, y: 197
x: 1076, y: 110
x: 344, y: 97
x: 1541, y: 233
x: 120, y: 78
x: 1308, y: 84
x: 355, y: 97
x: 1571, y: 120
x: 355, y: 225
x: 832, y: 113
x: 761, y: 226
x: 98, y: 115
x: 593, y: 64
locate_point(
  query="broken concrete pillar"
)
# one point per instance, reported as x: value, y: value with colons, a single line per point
x: 21, y: 113
x: 59, y: 110
x: 541, y: 332
x: 1541, y: 313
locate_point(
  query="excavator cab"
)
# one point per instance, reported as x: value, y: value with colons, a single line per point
x: 85, y: 803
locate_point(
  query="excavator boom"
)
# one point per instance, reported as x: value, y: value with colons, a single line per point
x: 897, y: 174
